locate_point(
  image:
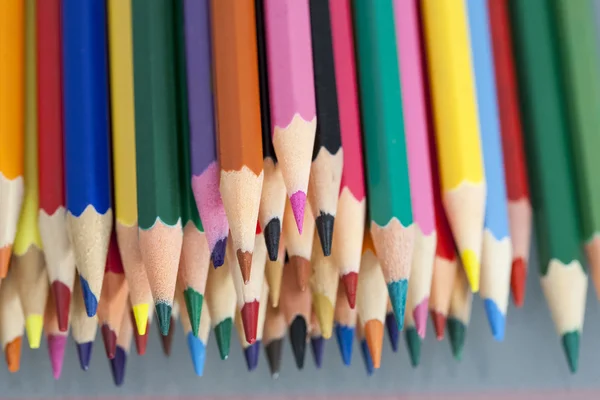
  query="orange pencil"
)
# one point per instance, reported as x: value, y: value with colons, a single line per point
x: 11, y: 323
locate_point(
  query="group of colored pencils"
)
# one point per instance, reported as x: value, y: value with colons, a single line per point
x: 302, y: 166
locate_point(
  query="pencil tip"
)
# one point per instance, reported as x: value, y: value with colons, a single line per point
x: 345, y: 338
x: 167, y: 340
x: 303, y: 270
x: 570, y: 342
x: 250, y: 320
x: 141, y: 341
x: 140, y: 315
x: 298, y: 331
x: 420, y: 317
x: 217, y: 255
x: 91, y: 302
x: 298, y: 202
x: 324, y: 311
x: 117, y: 366
x: 392, y: 330
x: 84, y: 353
x: 33, y: 326
x: 193, y: 304
x: 364, y: 349
x: 5, y: 253
x: 62, y: 299
x: 439, y: 324
x: 374, y: 338
x: 272, y: 237
x: 109, y: 337
x: 12, y: 353
x: 324, y: 223
x: 317, y: 344
x: 471, y: 265
x: 457, y: 332
x: 398, y: 291
x: 251, y: 355
x: 495, y: 318
x: 245, y: 261
x: 197, y: 351
x: 163, y: 312
x: 56, y: 351
x: 413, y: 342
x: 350, y: 281
x: 518, y: 280
x: 223, y: 336
x: 273, y: 351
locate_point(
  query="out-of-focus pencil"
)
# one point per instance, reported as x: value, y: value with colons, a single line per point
x: 515, y: 168
x: 390, y: 210
x: 345, y: 325
x: 392, y: 327
x: 364, y: 349
x: 124, y: 158
x: 317, y: 341
x: 12, y: 113
x: 119, y: 362
x: 196, y: 344
x: 324, y: 286
x: 83, y: 328
x: 274, y: 271
x: 12, y: 322
x: 157, y: 157
x: 459, y: 314
x: 87, y: 141
x: 166, y: 341
x: 350, y: 217
x: 412, y: 338
x: 252, y: 351
x: 456, y: 127
x: 273, y: 335
x: 299, y: 245
x: 202, y: 144
x: 57, y: 340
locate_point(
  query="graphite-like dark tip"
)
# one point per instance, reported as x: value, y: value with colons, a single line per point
x: 167, y: 341
x: 272, y: 235
x: 324, y: 225
x: 117, y: 366
x: 392, y: 329
x: 273, y: 351
x: 298, y: 340
x: 218, y: 254
x: 317, y: 344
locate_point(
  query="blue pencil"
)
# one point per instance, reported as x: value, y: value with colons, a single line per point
x: 86, y: 141
x: 496, y: 250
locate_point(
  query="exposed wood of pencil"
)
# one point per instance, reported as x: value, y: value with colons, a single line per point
x: 273, y: 273
x: 344, y: 315
x: 293, y: 302
x: 324, y: 287
x: 12, y: 323
x: 299, y: 245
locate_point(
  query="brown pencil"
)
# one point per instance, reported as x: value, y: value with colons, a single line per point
x: 12, y: 322
x: 299, y: 245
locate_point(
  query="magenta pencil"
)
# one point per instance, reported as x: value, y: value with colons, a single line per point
x: 292, y: 95
x: 350, y: 219
x: 419, y: 167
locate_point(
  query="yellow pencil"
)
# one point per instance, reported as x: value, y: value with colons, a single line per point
x: 456, y: 127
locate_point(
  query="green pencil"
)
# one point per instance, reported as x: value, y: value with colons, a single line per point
x: 563, y: 276
x: 159, y: 199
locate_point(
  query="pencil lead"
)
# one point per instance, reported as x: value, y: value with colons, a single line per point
x: 223, y: 335
x: 303, y: 271
x: 62, y: 300
x: 298, y: 330
x: 392, y: 330
x: 374, y: 338
x: 273, y: 351
x: 90, y: 301
x: 345, y: 338
x: 251, y: 354
x: 317, y: 344
x: 570, y: 342
x: 218, y: 254
x: 84, y: 353
x: 364, y: 347
x: 420, y: 317
x: 193, y: 304
x: 109, y: 337
x: 56, y: 352
x: 5, y: 254
x: 12, y: 353
x: 117, y: 366
x: 197, y: 351
x: 163, y: 312
x: 472, y: 268
x: 495, y: 318
x: 141, y: 341
x: 518, y: 280
x: 324, y: 310
x: 272, y: 237
x: 298, y: 202
x: 350, y: 281
x: 34, y: 326
x: 324, y: 223
x: 398, y: 291
x: 413, y: 342
x: 245, y: 261
x: 439, y: 324
x: 457, y: 332
x: 140, y: 316
x: 250, y: 320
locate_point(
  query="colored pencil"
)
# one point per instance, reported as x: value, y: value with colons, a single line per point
x: 124, y: 158
x: 221, y: 301
x: 496, y: 252
x: 299, y: 245
x: 459, y: 314
x: 196, y: 344
x: 371, y: 301
x: 141, y: 341
x: 317, y: 341
x: 166, y: 341
x: 272, y: 200
x: 58, y: 251
x: 563, y: 274
x: 296, y: 308
x: 119, y: 362
x: 390, y: 211
x: 31, y: 279
x: 12, y: 322
x: 345, y: 325
x: 364, y: 349
x: 157, y: 157
x: 456, y: 127
x: 57, y: 339
x: 324, y: 286
x: 274, y: 270
x: 392, y: 327
x: 252, y: 350
x: 113, y: 303
x: 273, y: 335
x: 412, y: 79
x: 580, y: 65
x: 515, y: 168
x: 292, y: 95
x: 412, y: 337
x: 238, y: 121
x: 83, y: 327
x: 351, y: 212
x: 87, y: 141
x: 12, y: 118
x: 203, y: 148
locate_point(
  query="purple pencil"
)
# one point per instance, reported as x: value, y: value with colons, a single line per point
x: 205, y: 169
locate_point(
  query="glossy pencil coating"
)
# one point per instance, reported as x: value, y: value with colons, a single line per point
x: 390, y: 211
x: 202, y: 144
x: 563, y: 275
x: 496, y: 253
x: 456, y: 127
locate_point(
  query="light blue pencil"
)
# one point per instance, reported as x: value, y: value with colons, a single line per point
x: 496, y: 250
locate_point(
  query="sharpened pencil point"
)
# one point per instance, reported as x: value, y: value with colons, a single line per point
x: 374, y: 338
x: 167, y: 340
x: 472, y: 268
x: 392, y: 330
x: 457, y: 332
x: 218, y: 254
x: 272, y: 237
x: 197, y: 351
x: 141, y: 341
x: 163, y: 312
x: 223, y: 336
x: 518, y: 280
x: 570, y: 342
x: 62, y: 300
x: 439, y: 324
x: 298, y: 330
x: 109, y: 337
x: 273, y: 351
x: 84, y: 353
x: 5, y: 254
x: 398, y: 291
x: 364, y: 349
x: 251, y: 355
x: 345, y: 338
x: 245, y: 261
x: 324, y: 224
x: 56, y: 352
x: 413, y: 342
x: 117, y: 366
x: 350, y: 281
x: 193, y: 304
x: 250, y: 320
x: 317, y: 344
x: 12, y: 353
x: 91, y: 302
x: 324, y: 310
x: 420, y: 317
x: 33, y: 326
x: 140, y: 316
x: 303, y: 271
x: 495, y: 318
x: 298, y: 202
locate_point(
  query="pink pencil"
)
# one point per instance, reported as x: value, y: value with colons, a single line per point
x: 421, y: 189
x: 292, y: 95
x: 350, y: 218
